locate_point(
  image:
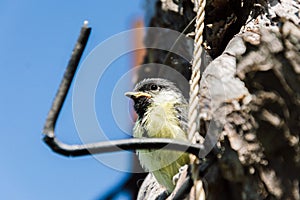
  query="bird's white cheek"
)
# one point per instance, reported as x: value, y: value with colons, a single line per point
x: 164, y: 97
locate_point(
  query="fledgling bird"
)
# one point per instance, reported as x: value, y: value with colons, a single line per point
x: 162, y: 113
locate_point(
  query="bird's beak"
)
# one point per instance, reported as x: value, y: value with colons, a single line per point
x: 135, y: 95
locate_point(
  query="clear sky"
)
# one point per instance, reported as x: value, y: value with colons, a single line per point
x: 36, y: 40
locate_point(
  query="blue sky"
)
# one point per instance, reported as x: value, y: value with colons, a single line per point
x: 36, y: 40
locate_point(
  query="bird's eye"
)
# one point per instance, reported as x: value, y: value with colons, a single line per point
x: 154, y: 87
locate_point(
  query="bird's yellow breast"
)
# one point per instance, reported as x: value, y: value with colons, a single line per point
x: 160, y: 121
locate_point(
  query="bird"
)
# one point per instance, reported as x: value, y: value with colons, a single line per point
x: 161, y: 113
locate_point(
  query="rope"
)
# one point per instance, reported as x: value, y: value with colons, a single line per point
x: 197, y: 191
x: 194, y: 119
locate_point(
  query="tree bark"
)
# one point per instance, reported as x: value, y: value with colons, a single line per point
x: 255, y: 47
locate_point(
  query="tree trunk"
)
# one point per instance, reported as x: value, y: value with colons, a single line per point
x: 254, y: 46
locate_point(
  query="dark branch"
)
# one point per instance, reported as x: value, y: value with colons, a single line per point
x: 100, y: 147
x: 120, y: 145
x: 66, y: 81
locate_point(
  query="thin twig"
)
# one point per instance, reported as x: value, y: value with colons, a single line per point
x: 182, y: 34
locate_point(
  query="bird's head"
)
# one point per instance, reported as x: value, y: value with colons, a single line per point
x: 154, y: 91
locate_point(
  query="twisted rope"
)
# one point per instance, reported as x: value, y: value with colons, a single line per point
x: 197, y: 191
x: 193, y: 115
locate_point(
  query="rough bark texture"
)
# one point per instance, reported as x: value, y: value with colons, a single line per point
x: 258, y: 107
